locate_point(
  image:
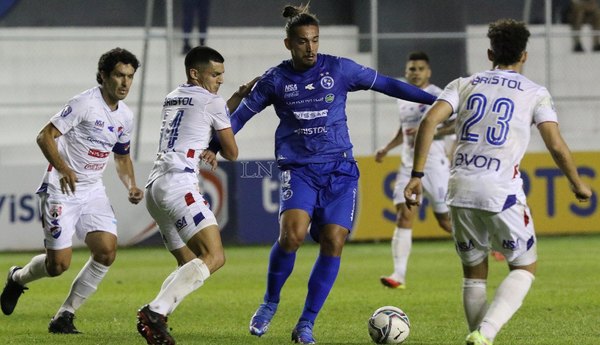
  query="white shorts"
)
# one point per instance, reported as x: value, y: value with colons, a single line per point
x: 435, y: 186
x: 509, y: 232
x: 175, y: 203
x: 85, y: 211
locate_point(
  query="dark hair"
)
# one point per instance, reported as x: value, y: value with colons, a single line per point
x: 111, y: 58
x: 508, y: 40
x: 418, y: 55
x: 201, y: 55
x: 298, y: 16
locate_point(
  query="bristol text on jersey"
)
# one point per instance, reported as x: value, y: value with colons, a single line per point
x: 178, y: 101
x: 495, y: 80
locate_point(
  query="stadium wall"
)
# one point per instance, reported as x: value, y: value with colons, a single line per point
x: 245, y: 196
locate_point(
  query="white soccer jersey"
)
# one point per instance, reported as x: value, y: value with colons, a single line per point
x: 189, y: 115
x: 495, y: 110
x: 411, y: 115
x: 90, y: 130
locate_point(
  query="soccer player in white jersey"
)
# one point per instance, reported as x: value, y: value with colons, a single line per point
x: 495, y: 110
x: 77, y: 143
x: 190, y: 115
x: 437, y: 171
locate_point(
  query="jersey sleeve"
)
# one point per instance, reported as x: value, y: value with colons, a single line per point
x: 72, y: 114
x: 122, y: 146
x: 450, y: 95
x: 544, y: 110
x: 359, y: 77
x: 260, y: 96
x: 217, y: 108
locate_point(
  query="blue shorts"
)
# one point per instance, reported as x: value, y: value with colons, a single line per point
x: 326, y: 191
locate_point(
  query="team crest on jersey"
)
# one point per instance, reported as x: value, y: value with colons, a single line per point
x: 99, y: 124
x: 329, y: 98
x: 55, y: 229
x: 327, y: 81
x: 55, y: 210
x: 66, y: 111
x: 119, y: 130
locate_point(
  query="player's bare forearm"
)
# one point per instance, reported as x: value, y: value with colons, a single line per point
x: 46, y: 140
x: 234, y: 101
x: 564, y: 160
x: 124, y: 167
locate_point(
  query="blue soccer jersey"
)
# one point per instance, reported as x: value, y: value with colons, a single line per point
x: 311, y: 107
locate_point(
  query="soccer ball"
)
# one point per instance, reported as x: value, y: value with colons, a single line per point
x: 389, y: 325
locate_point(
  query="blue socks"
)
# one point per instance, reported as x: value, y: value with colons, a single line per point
x: 321, y: 281
x: 281, y: 265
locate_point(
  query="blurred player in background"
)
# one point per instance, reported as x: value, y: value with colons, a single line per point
x: 191, y: 114
x: 495, y: 110
x: 77, y: 143
x: 437, y: 171
x: 319, y: 176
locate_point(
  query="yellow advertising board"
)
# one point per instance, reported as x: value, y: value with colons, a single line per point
x: 554, y: 208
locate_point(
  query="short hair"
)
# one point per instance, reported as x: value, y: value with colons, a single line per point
x: 418, y: 55
x: 111, y: 58
x: 298, y: 16
x: 201, y: 55
x: 508, y: 40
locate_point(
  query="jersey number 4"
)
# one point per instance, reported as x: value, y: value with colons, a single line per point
x: 495, y: 134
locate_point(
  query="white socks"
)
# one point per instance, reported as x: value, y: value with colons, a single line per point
x: 84, y: 285
x: 34, y: 270
x: 509, y: 298
x: 401, y: 245
x: 474, y: 301
x: 188, y: 278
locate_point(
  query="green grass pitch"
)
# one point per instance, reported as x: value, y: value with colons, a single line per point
x: 563, y: 307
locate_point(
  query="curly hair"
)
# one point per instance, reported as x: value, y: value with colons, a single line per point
x: 111, y: 58
x: 298, y: 16
x: 508, y: 40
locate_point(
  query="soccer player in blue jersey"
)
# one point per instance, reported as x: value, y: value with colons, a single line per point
x: 319, y: 176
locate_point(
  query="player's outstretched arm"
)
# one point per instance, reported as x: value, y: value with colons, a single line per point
x: 234, y: 101
x: 398, y: 89
x: 46, y: 140
x: 126, y: 175
x: 564, y: 160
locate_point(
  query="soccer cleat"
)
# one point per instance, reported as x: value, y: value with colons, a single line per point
x: 259, y: 323
x: 392, y: 283
x: 11, y: 293
x: 476, y: 338
x: 153, y: 327
x: 63, y: 324
x: 497, y: 255
x: 303, y: 333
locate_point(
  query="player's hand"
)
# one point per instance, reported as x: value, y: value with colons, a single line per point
x: 582, y: 192
x: 379, y: 154
x: 135, y: 195
x: 413, y: 192
x: 245, y: 89
x: 68, y: 181
x: 209, y: 158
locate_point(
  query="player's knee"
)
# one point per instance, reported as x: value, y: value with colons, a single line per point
x: 105, y: 258
x: 214, y: 261
x: 290, y: 241
x: 55, y: 269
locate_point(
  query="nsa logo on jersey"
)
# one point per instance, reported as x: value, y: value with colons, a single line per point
x: 181, y: 223
x: 291, y: 88
x: 66, y: 111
